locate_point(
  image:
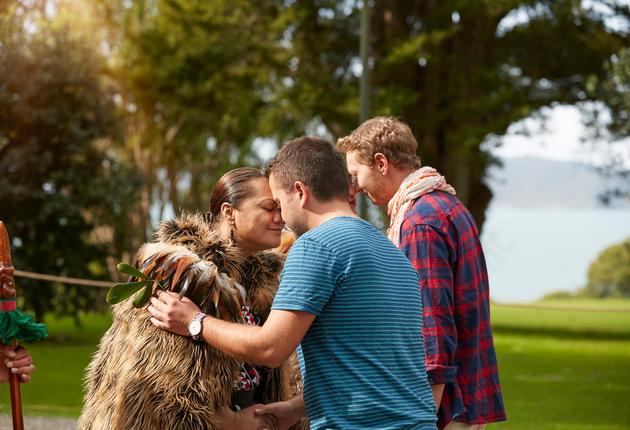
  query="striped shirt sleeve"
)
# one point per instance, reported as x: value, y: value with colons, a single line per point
x: 309, y: 278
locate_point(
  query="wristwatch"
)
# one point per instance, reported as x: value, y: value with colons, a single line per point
x: 194, y: 327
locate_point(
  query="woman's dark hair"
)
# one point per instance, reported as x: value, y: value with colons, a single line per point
x: 233, y: 187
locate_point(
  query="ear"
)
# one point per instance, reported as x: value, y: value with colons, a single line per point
x: 302, y: 192
x: 227, y: 211
x: 381, y: 163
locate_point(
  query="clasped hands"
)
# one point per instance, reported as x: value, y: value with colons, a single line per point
x: 274, y: 416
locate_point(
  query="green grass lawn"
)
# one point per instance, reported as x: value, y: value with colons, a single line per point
x: 559, y: 369
x: 564, y: 369
x: 588, y: 302
x: 56, y: 388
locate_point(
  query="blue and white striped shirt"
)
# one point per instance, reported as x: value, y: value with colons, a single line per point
x: 362, y: 360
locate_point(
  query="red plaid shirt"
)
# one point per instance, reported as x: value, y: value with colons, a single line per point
x: 440, y: 238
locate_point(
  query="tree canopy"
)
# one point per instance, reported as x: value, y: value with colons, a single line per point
x: 133, y: 108
x: 609, y: 274
x: 62, y: 189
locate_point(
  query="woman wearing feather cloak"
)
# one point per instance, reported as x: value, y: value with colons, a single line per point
x: 142, y: 377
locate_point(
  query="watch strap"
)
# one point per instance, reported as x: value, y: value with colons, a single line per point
x: 199, y: 317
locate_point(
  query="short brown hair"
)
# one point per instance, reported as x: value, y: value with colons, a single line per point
x: 389, y: 136
x: 314, y: 162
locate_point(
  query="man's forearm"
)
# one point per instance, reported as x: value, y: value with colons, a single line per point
x: 298, y: 406
x: 244, y: 342
x: 269, y: 345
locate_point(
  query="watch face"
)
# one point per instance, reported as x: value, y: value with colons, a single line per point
x: 194, y: 327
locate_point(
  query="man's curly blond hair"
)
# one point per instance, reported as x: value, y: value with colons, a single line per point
x: 387, y: 135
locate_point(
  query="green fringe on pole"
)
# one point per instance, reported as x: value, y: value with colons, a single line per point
x: 14, y: 325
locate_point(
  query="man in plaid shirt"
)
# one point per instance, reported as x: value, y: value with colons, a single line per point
x: 438, y: 234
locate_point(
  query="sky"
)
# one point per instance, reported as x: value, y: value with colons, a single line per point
x: 560, y: 139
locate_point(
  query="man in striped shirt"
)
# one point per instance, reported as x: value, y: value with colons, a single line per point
x: 348, y: 299
x: 439, y: 236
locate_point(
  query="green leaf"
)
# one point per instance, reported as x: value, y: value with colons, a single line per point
x: 143, y: 297
x: 120, y: 292
x: 131, y: 271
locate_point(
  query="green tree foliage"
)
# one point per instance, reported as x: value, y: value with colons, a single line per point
x: 609, y: 274
x: 320, y: 78
x: 62, y: 189
x: 181, y: 91
x: 615, y: 90
x: 459, y: 71
x: 195, y: 77
x: 610, y: 122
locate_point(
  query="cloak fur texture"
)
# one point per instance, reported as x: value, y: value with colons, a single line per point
x: 142, y: 377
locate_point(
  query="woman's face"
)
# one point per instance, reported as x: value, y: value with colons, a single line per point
x: 257, y: 221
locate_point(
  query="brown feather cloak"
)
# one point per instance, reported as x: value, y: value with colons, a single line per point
x: 142, y: 377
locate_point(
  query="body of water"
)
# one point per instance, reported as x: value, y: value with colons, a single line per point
x: 532, y: 252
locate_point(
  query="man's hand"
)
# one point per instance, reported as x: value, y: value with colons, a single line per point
x: 247, y: 420
x: 170, y: 313
x: 15, y: 361
x: 286, y: 413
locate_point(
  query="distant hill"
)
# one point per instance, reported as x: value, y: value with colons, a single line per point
x: 538, y: 182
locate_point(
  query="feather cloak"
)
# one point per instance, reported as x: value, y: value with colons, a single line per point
x: 142, y: 377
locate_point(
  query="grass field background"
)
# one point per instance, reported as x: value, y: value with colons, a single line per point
x: 56, y: 387
x: 564, y: 369
x: 561, y: 367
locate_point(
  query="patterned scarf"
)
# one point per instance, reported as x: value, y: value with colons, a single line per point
x: 422, y: 181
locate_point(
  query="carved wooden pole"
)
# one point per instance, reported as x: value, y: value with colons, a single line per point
x: 8, y: 304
